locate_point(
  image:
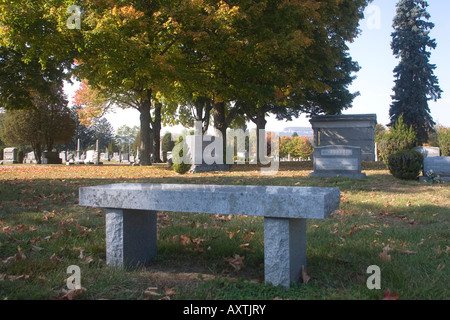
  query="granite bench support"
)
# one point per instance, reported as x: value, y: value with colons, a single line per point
x: 131, y: 215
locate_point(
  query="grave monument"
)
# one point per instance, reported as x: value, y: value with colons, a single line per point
x: 347, y: 130
x: 337, y: 161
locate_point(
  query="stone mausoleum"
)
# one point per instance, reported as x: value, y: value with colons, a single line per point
x: 347, y: 130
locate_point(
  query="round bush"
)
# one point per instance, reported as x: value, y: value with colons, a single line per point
x: 179, y: 166
x: 406, y: 165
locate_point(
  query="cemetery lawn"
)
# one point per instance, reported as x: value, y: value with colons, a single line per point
x: 400, y: 226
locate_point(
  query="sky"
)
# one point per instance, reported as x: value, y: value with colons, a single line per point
x: 372, y: 50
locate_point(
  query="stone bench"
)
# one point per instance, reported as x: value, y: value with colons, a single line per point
x: 131, y: 214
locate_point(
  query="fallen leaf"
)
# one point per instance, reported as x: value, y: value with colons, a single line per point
x: 220, y: 217
x: 237, y: 262
x: 151, y: 291
x: 5, y: 261
x: 198, y: 241
x: 185, y: 240
x: 305, y: 276
x: 53, y: 257
x: 89, y: 260
x: 231, y: 234
x: 169, y: 291
x: 22, y: 276
x: 384, y: 256
x: 20, y: 255
x: 7, y: 229
x: 81, y: 250
x: 71, y: 294
x: 21, y: 228
x: 388, y: 296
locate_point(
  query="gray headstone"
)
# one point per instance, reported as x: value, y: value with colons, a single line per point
x: 115, y: 157
x: 51, y: 158
x: 125, y: 158
x: 63, y: 156
x: 438, y: 165
x: 199, y: 161
x: 10, y: 155
x: 335, y: 161
x: 429, y: 151
x: 30, y: 157
x: 104, y: 156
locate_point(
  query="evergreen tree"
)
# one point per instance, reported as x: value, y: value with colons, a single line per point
x: 103, y: 132
x: 415, y: 82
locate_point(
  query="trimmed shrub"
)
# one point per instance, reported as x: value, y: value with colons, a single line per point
x: 179, y: 166
x: 406, y: 165
x: 399, y: 138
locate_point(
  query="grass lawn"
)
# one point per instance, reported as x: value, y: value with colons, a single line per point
x: 400, y: 226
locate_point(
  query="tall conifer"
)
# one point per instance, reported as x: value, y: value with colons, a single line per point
x: 415, y: 82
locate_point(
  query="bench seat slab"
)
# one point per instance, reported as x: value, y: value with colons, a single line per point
x: 131, y: 218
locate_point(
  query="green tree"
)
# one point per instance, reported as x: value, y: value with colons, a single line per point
x: 443, y: 140
x: 415, y: 82
x: 136, y: 53
x: 271, y: 57
x: 103, y: 132
x: 82, y: 132
x: 113, y: 147
x: 296, y: 146
x: 22, y: 79
x: 122, y: 49
x: 167, y: 145
x: 46, y: 125
x: 126, y: 136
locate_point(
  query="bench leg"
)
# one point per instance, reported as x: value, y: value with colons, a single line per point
x: 284, y: 250
x: 131, y: 237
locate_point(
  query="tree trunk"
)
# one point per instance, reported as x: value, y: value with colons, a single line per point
x: 157, y: 134
x: 220, y: 123
x: 203, y: 112
x: 37, y: 152
x: 146, y: 142
x: 260, y: 125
